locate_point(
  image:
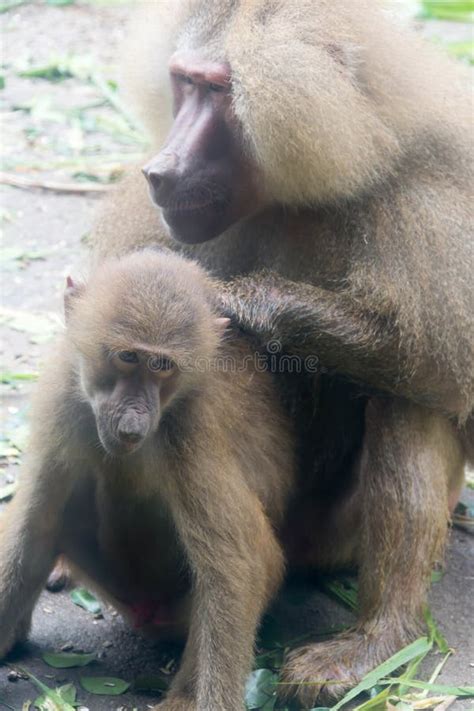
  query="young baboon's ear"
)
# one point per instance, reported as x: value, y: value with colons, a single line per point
x: 222, y: 323
x: 72, y: 291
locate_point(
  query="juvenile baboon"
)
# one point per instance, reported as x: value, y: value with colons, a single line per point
x: 318, y: 158
x: 160, y: 466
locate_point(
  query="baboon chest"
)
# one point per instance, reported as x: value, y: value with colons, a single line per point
x: 137, y: 537
x: 125, y: 542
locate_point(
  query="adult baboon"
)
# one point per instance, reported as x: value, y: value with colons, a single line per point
x: 318, y: 159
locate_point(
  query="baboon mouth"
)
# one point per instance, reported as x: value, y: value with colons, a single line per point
x: 197, y: 198
x: 189, y: 206
x: 117, y: 448
x: 186, y: 207
x: 130, y: 447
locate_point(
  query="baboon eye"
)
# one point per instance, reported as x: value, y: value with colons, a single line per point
x: 216, y: 87
x: 161, y: 365
x: 128, y: 356
x: 185, y: 79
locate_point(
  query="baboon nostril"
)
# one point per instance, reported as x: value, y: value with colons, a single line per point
x: 162, y: 177
x: 130, y: 429
x: 156, y: 180
x: 129, y: 436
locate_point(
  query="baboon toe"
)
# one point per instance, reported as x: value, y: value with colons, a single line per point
x: 318, y: 673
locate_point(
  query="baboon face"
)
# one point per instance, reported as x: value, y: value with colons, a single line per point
x: 274, y: 103
x: 203, y: 180
x: 142, y: 331
x: 128, y: 391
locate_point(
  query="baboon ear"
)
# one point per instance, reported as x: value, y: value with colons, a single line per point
x: 222, y: 323
x: 72, y: 291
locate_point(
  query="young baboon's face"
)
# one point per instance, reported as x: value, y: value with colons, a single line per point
x: 141, y: 331
x: 128, y: 391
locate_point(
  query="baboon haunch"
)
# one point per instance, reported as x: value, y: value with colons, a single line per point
x: 160, y: 466
x: 333, y: 151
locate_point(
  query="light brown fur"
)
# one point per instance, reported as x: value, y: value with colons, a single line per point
x: 190, y: 518
x: 377, y: 161
x: 361, y: 136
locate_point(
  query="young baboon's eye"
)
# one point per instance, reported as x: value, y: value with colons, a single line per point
x: 128, y: 356
x: 216, y: 88
x: 161, y: 365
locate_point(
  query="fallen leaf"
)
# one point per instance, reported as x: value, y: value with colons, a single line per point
x: 104, y: 685
x: 67, y: 660
x: 85, y: 599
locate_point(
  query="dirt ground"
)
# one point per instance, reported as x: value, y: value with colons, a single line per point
x: 63, y: 132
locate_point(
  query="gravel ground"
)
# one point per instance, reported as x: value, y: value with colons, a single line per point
x: 44, y: 235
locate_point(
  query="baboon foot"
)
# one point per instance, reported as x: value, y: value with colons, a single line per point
x: 323, y: 672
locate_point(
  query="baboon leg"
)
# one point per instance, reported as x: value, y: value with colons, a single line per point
x: 60, y: 576
x: 28, y: 537
x: 227, y: 539
x: 410, y: 459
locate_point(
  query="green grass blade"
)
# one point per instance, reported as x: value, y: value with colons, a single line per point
x: 409, y: 673
x: 442, y: 689
x: 57, y: 702
x: 344, y: 591
x: 435, y: 634
x: 407, y: 654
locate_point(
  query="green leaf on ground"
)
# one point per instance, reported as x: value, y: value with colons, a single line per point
x: 7, y: 378
x: 85, y: 599
x: 104, y: 685
x: 40, y: 327
x: 61, y: 68
x: 51, y: 699
x: 260, y: 690
x: 67, y: 693
x: 67, y: 660
x: 14, y: 258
